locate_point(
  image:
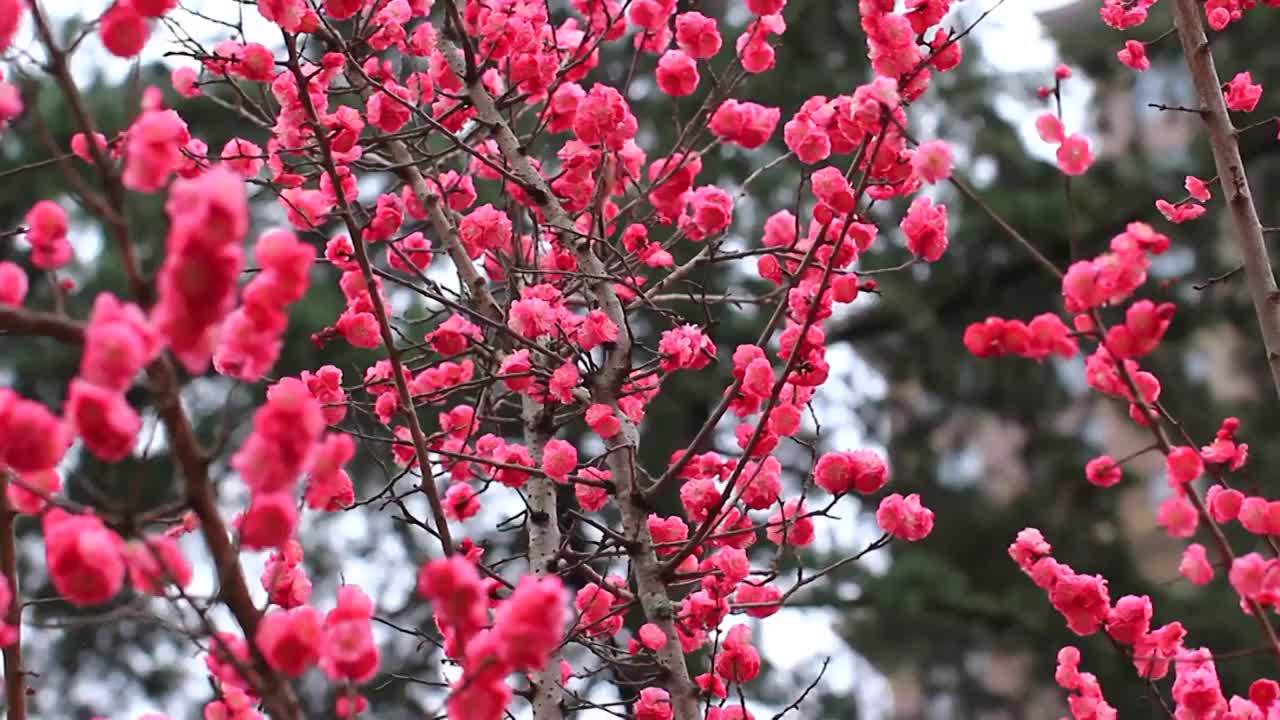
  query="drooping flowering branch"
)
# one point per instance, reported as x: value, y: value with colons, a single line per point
x: 1232, y: 175
x: 1089, y: 287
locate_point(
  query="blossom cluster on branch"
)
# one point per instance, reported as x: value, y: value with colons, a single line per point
x: 469, y: 154
x: 588, y: 234
x: 1098, y: 294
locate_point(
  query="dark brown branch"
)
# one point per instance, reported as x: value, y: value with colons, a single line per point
x: 17, y: 321
x: 15, y: 685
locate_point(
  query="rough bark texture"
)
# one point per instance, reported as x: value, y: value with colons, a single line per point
x: 544, y: 528
x: 446, y: 232
x: 544, y: 547
x: 645, y: 566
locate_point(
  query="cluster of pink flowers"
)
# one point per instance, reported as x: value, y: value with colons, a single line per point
x: 686, y: 348
x: 737, y: 661
x: 283, y: 445
x: 13, y: 283
x: 85, y: 557
x: 32, y: 439
x: 904, y: 517
x: 1075, y: 154
x: 925, y: 226
x: 153, y: 150
x: 124, y: 27
x: 709, y: 213
x: 329, y: 486
x: 1242, y: 93
x: 347, y: 649
x: 485, y: 228
x: 1089, y: 287
x: 1123, y: 14
x: 1113, y: 276
x: 1084, y: 603
x: 47, y: 229
x: 11, y: 12
x: 1043, y: 336
x: 525, y: 628
x: 196, y: 286
x: 541, y: 312
x: 237, y: 699
x: 744, y: 123
x: 932, y: 161
x: 1086, y: 700
x: 88, y: 561
x: 604, y: 118
x: 727, y: 583
x: 155, y: 562
x: 118, y: 342
x: 284, y: 578
x: 1134, y: 54
x: 861, y: 470
x: 1190, y: 208
x: 358, y: 323
x: 251, y: 336
x: 759, y: 388
x: 677, y: 73
x: 600, y: 610
x: 295, y: 638
x: 672, y: 182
